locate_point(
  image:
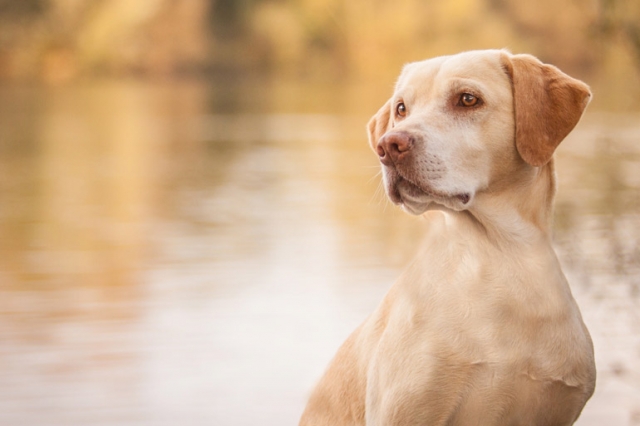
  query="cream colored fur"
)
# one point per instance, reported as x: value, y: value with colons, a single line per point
x: 481, y: 328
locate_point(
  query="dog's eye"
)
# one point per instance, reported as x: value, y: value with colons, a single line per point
x: 468, y: 100
x: 401, y: 109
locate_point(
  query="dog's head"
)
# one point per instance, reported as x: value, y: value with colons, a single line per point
x: 459, y: 125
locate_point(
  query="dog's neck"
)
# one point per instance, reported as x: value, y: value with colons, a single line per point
x: 520, y: 209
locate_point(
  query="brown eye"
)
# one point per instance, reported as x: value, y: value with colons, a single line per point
x: 401, y: 109
x: 468, y: 100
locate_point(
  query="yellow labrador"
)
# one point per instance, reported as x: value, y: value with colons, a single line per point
x: 481, y: 329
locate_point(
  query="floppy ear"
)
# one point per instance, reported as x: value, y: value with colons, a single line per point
x: 379, y: 124
x: 548, y: 104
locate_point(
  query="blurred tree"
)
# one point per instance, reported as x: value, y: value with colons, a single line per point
x: 620, y: 19
x: 229, y: 17
x: 22, y: 8
x: 557, y: 33
x: 58, y: 40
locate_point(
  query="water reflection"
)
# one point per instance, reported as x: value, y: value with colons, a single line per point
x: 178, y: 253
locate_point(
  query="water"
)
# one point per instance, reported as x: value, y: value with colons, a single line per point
x: 194, y: 253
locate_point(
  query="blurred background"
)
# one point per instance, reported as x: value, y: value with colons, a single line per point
x: 191, y: 221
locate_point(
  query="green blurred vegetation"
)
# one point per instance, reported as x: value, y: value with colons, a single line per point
x: 61, y: 40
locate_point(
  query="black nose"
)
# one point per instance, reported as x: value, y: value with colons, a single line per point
x: 393, y: 146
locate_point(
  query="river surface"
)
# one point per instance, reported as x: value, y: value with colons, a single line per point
x: 195, y: 253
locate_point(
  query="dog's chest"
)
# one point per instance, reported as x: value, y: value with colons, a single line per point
x: 468, y: 375
x: 472, y: 330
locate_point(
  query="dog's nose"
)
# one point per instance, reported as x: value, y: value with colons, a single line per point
x: 392, y: 146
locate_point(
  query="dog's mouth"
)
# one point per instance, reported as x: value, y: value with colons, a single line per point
x: 415, y: 197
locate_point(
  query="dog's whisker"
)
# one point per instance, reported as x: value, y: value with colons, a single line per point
x: 379, y: 173
x: 379, y: 195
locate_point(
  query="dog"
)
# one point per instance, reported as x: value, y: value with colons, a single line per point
x: 481, y: 328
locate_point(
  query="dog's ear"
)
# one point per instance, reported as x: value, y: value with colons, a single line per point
x: 379, y: 124
x: 548, y: 104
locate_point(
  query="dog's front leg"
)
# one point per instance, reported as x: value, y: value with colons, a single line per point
x: 406, y: 407
x: 406, y: 389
